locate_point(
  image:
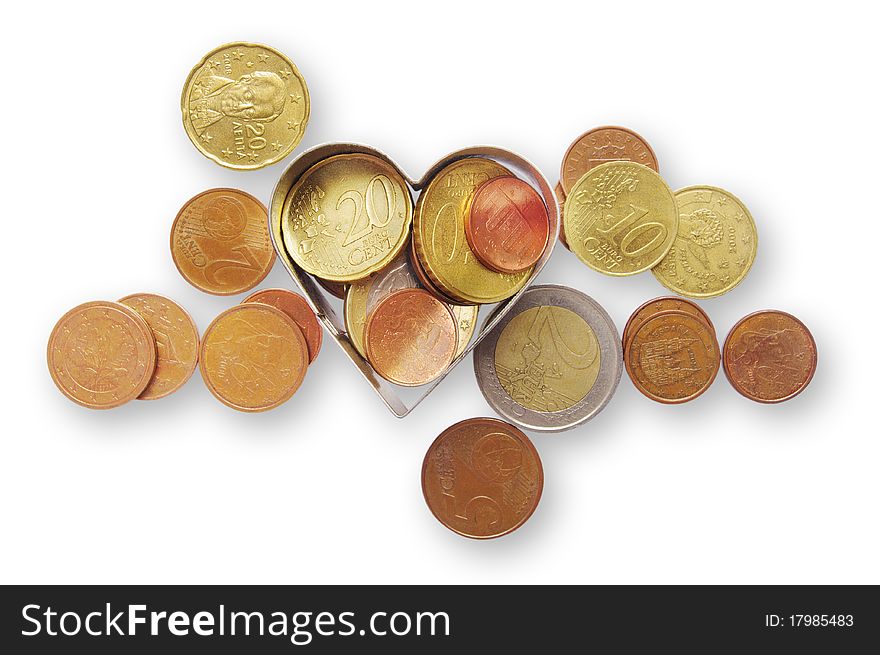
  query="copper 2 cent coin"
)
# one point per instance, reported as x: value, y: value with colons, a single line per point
x: 254, y: 357
x: 769, y: 356
x: 507, y: 225
x: 296, y: 307
x: 672, y: 357
x: 101, y: 354
x: 220, y: 242
x: 411, y: 337
x: 482, y: 478
x: 177, y: 342
x: 663, y: 304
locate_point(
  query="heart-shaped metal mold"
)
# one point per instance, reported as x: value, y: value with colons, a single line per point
x: 400, y: 400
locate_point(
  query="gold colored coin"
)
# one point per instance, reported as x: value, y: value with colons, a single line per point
x: 362, y: 296
x: 354, y: 311
x: 346, y: 217
x: 220, y: 242
x: 560, y: 348
x: 620, y: 218
x: 101, y: 354
x: 253, y: 357
x: 466, y: 321
x: 715, y: 247
x: 439, y: 235
x: 177, y: 342
x: 245, y: 106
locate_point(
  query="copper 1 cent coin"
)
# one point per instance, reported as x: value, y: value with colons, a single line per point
x: 507, y: 225
x: 177, y: 342
x: 411, y: 337
x: 600, y: 146
x: 296, y: 307
x: 101, y: 354
x: 560, y: 200
x: 663, y: 304
x: 254, y: 357
x: 482, y: 478
x: 672, y: 357
x: 769, y: 356
x: 220, y: 242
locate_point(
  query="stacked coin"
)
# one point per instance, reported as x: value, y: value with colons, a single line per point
x: 413, y: 275
x: 252, y: 357
x: 103, y: 354
x: 672, y: 356
x: 670, y: 350
x: 620, y: 218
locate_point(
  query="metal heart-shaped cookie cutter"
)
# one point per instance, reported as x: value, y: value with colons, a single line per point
x: 322, y: 303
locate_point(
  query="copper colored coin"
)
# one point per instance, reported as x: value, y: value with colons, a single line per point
x: 600, y: 146
x: 101, y: 354
x: 177, y: 342
x: 411, y: 337
x: 220, y: 242
x: 506, y: 224
x: 482, y: 478
x: 769, y: 356
x: 560, y: 200
x: 672, y: 357
x: 253, y: 357
x: 296, y: 307
x: 663, y: 304
x: 336, y: 289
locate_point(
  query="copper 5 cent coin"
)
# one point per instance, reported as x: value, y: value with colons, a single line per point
x: 507, y: 225
x: 663, y: 304
x: 411, y: 337
x: 177, y: 342
x: 101, y: 354
x: 482, y: 478
x: 769, y: 356
x: 672, y: 357
x: 254, y: 357
x: 296, y: 307
x: 220, y: 242
x: 600, y: 146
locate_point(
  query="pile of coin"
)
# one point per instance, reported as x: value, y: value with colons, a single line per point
x: 620, y: 218
x: 413, y: 275
x: 252, y: 357
x: 672, y: 355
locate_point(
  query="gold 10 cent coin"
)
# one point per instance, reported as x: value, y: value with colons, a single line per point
x: 254, y: 357
x: 101, y: 354
x: 346, y: 217
x: 177, y: 342
x: 245, y: 106
x: 440, y: 241
x: 620, y: 218
x: 220, y: 242
x: 715, y: 246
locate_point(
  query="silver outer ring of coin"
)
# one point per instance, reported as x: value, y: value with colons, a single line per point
x: 599, y: 395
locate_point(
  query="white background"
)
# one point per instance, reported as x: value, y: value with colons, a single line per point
x: 777, y: 105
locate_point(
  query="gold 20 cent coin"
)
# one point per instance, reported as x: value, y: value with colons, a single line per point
x: 245, y: 106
